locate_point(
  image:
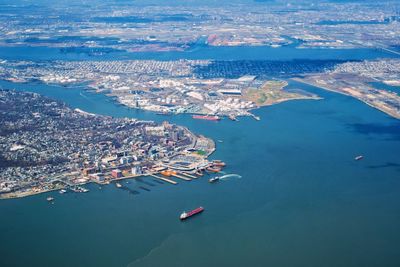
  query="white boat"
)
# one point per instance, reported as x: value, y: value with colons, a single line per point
x: 359, y: 157
x: 118, y: 185
x: 79, y: 189
x: 63, y: 191
x: 214, y: 179
x: 50, y: 199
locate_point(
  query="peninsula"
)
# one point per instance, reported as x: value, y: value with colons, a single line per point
x: 374, y: 82
x: 223, y: 88
x: 45, y: 145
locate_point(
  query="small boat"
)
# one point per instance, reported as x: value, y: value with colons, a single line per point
x: 214, y: 179
x: 218, y: 163
x: 189, y: 214
x: 50, y: 199
x: 359, y: 157
x: 79, y: 189
x: 118, y: 185
x: 213, y: 169
x: 232, y: 117
x: 63, y: 191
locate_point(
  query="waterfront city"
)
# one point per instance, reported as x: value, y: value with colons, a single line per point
x: 199, y: 133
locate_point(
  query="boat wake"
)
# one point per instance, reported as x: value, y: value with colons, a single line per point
x: 230, y: 176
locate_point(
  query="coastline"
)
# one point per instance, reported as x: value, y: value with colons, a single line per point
x: 391, y: 114
x: 201, y: 164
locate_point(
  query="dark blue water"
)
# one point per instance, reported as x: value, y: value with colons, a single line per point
x: 197, y: 52
x: 382, y: 86
x: 136, y: 19
x: 302, y: 199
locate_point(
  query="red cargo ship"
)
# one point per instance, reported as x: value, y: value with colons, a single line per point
x: 186, y: 215
x: 206, y: 117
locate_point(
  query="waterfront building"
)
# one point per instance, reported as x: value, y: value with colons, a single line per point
x: 117, y: 173
x: 88, y: 171
x: 125, y: 160
x: 136, y: 170
x: 98, y: 177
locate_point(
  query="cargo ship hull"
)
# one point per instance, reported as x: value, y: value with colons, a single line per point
x: 206, y: 117
x: 187, y: 215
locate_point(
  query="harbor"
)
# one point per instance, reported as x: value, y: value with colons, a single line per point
x: 165, y: 175
x: 267, y: 199
x: 304, y: 199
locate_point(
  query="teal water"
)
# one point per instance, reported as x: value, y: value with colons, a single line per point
x: 382, y: 86
x: 302, y: 199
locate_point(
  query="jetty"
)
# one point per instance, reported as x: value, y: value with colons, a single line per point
x: 164, y: 179
x: 189, y: 175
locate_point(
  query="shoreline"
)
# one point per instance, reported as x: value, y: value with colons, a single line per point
x: 391, y: 114
x: 201, y: 164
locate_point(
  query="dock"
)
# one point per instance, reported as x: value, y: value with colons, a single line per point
x: 255, y: 117
x: 189, y: 175
x: 181, y: 177
x: 164, y: 179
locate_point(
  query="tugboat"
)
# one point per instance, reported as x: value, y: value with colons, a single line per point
x: 359, y: 158
x: 214, y: 179
x: 189, y: 214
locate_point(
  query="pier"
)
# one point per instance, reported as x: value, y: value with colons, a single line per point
x: 181, y: 177
x: 164, y: 179
x: 189, y: 175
